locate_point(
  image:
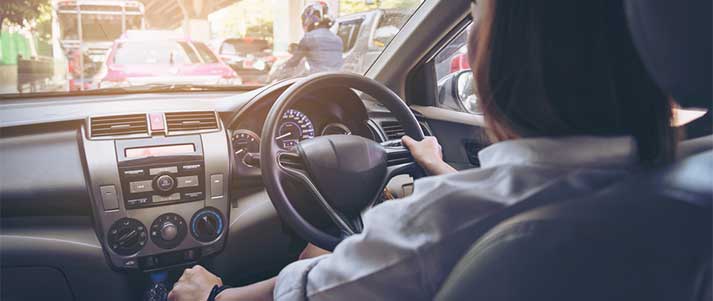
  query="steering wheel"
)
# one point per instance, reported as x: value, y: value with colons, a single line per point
x: 345, y: 173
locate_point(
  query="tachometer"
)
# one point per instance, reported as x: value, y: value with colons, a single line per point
x: 244, y: 142
x: 294, y: 127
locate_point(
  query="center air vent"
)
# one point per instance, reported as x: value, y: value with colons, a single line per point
x: 177, y: 122
x: 119, y: 125
x: 392, y: 129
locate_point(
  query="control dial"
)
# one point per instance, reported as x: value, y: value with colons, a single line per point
x: 207, y: 225
x: 126, y: 236
x: 168, y: 230
x: 165, y: 183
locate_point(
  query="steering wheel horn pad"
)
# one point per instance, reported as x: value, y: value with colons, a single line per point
x: 348, y: 170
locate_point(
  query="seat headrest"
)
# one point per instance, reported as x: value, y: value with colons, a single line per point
x: 674, y: 41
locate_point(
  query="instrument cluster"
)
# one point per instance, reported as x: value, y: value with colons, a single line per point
x: 294, y: 127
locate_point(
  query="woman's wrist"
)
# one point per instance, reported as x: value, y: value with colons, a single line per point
x: 256, y: 291
x: 215, y: 292
x: 437, y: 168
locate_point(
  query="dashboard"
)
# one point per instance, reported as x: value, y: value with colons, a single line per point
x: 165, y: 179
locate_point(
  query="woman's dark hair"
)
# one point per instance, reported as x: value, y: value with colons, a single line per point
x: 563, y: 68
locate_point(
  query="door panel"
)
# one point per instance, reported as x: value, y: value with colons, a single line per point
x: 460, y: 134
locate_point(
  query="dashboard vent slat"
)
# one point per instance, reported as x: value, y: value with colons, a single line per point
x: 191, y: 121
x: 392, y: 129
x: 120, y: 125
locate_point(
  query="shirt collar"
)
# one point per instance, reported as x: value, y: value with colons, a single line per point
x: 580, y: 151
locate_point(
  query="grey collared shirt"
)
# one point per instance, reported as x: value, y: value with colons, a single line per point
x: 409, y: 246
x: 323, y: 50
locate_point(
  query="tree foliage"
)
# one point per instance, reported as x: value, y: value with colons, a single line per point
x: 20, y: 11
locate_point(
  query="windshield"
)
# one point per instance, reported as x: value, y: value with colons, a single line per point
x: 83, y: 45
x: 154, y: 52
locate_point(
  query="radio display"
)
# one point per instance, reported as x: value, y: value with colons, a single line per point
x: 163, y: 150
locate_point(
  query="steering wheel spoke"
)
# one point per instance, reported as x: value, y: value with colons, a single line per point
x: 291, y: 164
x: 399, y: 161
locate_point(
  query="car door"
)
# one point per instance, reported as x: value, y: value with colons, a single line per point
x: 454, y: 116
x: 440, y: 92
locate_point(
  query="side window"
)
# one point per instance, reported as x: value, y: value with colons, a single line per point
x: 348, y: 31
x: 389, y: 25
x: 205, y: 53
x: 188, y: 50
x: 455, y: 79
x: 228, y: 49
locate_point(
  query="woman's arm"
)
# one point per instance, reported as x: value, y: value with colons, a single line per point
x: 428, y: 154
x: 261, y: 291
x: 197, y: 282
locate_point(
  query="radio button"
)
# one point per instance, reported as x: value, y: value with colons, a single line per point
x: 136, y: 202
x: 135, y: 172
x: 109, y: 197
x: 165, y: 183
x: 193, y: 195
x: 191, y: 167
x: 158, y: 199
x: 190, y: 181
x: 158, y: 170
x: 216, y: 186
x: 140, y: 186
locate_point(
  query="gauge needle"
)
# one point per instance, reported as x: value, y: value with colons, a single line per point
x: 285, y: 135
x: 240, y: 151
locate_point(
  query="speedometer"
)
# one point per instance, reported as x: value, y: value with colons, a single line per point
x: 294, y: 127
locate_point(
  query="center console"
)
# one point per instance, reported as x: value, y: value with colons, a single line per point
x: 159, y: 196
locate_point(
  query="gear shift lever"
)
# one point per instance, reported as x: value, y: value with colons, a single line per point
x: 158, y: 290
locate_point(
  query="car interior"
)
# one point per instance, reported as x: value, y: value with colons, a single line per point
x: 103, y: 192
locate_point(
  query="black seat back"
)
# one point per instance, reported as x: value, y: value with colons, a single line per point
x: 645, y: 239
x: 648, y: 238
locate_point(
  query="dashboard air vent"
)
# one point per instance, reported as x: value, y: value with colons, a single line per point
x: 119, y: 125
x: 191, y: 121
x: 392, y: 129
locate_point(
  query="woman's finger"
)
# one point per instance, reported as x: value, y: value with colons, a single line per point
x: 407, y: 141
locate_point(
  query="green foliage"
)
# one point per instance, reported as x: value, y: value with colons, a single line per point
x: 262, y: 30
x: 20, y: 11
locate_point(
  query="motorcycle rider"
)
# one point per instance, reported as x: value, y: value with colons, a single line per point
x: 321, y: 47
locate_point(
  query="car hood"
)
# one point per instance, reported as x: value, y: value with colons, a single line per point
x: 149, y: 70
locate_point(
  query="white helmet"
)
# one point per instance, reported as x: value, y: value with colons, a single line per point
x: 316, y: 14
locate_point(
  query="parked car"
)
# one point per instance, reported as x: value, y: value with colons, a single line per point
x: 365, y: 35
x: 139, y: 58
x: 250, y: 58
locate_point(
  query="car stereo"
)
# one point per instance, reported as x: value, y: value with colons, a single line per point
x: 161, y: 201
x: 154, y: 174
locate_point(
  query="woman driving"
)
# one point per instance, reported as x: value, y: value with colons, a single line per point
x: 569, y: 108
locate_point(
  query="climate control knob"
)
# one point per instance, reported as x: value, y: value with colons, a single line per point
x: 126, y: 236
x: 207, y: 225
x: 168, y: 230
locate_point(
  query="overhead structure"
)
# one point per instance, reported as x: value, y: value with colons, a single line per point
x: 169, y: 14
x: 192, y: 16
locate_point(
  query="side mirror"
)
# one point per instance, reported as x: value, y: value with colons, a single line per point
x: 464, y: 91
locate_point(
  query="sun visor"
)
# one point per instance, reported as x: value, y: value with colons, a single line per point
x: 674, y: 41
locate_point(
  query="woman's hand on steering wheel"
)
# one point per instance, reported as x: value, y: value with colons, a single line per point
x: 345, y: 174
x: 428, y: 154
